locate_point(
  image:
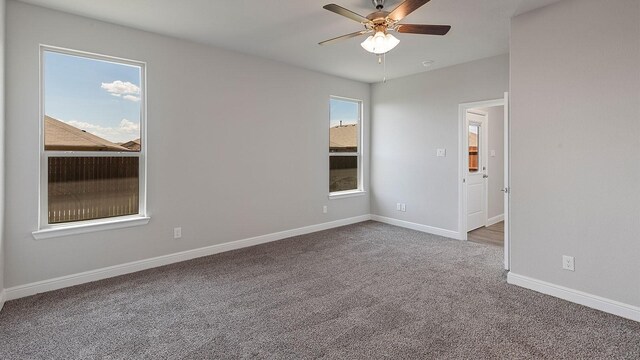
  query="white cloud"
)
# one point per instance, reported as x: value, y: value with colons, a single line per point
x: 125, y: 131
x: 131, y: 98
x: 119, y: 88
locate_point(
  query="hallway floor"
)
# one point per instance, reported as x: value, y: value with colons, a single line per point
x: 490, y: 235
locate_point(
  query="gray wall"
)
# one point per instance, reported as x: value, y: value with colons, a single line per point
x: 495, y: 197
x: 413, y: 116
x: 237, y: 146
x: 2, y: 201
x: 575, y: 107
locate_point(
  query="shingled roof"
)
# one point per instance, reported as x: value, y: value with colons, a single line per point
x: 473, y: 139
x: 133, y: 145
x: 343, y: 136
x: 61, y: 136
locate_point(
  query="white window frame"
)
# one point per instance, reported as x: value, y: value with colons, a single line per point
x: 46, y: 230
x: 360, y: 190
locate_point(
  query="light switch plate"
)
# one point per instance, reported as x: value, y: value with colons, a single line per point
x: 492, y: 153
x: 441, y: 152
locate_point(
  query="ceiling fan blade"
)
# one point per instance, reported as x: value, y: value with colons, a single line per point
x: 346, y: 13
x: 406, y: 8
x: 423, y: 29
x: 344, y: 37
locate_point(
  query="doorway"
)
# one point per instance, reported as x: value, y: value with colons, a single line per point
x: 484, y: 173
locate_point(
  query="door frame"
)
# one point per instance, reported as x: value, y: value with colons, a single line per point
x: 463, y: 148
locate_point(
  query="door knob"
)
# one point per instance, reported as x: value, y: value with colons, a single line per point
x: 485, y: 176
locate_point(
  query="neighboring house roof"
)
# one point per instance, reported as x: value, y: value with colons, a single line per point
x: 61, y: 136
x: 133, y: 145
x: 473, y: 139
x: 343, y: 136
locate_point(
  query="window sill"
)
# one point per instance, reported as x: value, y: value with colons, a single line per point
x: 86, y: 227
x: 346, y: 194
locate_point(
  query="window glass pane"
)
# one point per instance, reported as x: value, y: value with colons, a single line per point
x: 343, y: 125
x: 343, y: 173
x: 85, y: 188
x: 474, y: 142
x: 91, y: 105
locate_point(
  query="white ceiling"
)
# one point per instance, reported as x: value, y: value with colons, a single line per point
x: 289, y: 31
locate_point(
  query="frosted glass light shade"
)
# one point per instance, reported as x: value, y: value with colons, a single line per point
x: 380, y: 43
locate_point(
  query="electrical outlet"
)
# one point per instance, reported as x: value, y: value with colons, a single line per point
x: 404, y: 207
x: 568, y: 263
x: 177, y: 233
x: 324, y: 209
x: 398, y: 207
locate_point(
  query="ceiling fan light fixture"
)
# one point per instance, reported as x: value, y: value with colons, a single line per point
x: 380, y: 43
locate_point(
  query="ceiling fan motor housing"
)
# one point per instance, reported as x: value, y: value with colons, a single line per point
x: 379, y: 4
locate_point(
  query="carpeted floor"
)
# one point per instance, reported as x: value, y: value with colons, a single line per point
x: 363, y: 291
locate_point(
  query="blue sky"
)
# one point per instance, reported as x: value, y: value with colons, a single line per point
x: 347, y: 111
x: 99, y: 97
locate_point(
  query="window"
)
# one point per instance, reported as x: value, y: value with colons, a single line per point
x: 474, y: 146
x: 93, y: 143
x: 345, y: 142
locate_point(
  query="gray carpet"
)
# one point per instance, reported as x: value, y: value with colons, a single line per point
x: 363, y: 291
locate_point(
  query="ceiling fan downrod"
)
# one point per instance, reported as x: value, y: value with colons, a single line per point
x: 379, y: 4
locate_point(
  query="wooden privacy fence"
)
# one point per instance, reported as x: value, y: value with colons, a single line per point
x: 85, y: 188
x: 343, y: 173
x: 473, y: 158
x: 343, y: 162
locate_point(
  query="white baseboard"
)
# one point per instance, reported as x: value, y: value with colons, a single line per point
x: 111, y: 271
x: 2, y: 298
x: 419, y: 227
x: 494, y: 220
x: 593, y: 301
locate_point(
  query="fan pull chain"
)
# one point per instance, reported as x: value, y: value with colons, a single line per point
x: 384, y: 69
x: 382, y: 59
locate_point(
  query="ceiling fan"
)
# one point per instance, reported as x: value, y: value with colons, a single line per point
x: 380, y: 22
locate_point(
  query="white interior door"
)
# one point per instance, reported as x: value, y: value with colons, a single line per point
x: 476, y: 170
